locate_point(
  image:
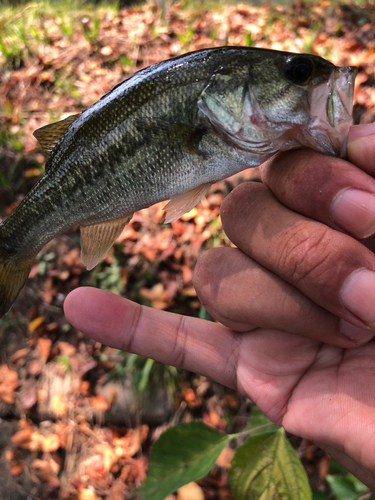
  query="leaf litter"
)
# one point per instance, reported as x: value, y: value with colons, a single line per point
x: 71, y: 430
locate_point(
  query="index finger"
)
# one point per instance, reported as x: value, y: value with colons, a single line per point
x: 193, y: 344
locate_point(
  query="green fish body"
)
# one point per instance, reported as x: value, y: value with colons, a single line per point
x: 167, y: 133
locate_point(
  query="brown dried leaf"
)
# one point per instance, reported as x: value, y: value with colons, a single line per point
x: 11, y: 455
x: 66, y: 348
x: 35, y: 367
x: 106, y: 51
x: 56, y: 462
x: 50, y: 290
x: 84, y: 387
x: 323, y: 466
x: 42, y: 469
x: 21, y: 353
x: 128, y: 445
x: 50, y: 443
x: 108, y: 454
x: 62, y: 430
x: 42, y: 395
x: 99, y: 402
x: 117, y: 491
x: 46, y: 75
x: 191, y: 491
x: 16, y: 468
x: 225, y: 458
x: 36, y: 441
x: 22, y: 438
x: 44, y: 345
x: 28, y: 395
x: 8, y: 383
x: 86, y: 494
x: 58, y: 405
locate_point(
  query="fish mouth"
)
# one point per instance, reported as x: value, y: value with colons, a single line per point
x: 331, y: 106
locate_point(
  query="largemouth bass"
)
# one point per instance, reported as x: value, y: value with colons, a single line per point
x: 167, y: 133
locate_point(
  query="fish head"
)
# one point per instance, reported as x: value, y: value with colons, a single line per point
x: 267, y: 101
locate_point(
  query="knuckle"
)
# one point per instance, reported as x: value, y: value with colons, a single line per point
x: 306, y: 253
x: 238, y: 204
x: 180, y: 349
x: 205, y: 273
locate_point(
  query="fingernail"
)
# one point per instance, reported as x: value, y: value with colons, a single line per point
x: 363, y: 130
x: 358, y: 295
x: 354, y: 211
x: 357, y: 335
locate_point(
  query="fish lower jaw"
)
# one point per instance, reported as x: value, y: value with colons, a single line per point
x: 326, y: 139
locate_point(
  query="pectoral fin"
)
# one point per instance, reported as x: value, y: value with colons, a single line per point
x: 184, y: 202
x: 97, y: 239
x: 49, y: 135
x: 174, y: 135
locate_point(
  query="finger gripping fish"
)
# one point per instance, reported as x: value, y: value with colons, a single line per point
x: 167, y: 133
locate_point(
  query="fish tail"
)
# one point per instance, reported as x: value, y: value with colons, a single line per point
x: 13, y: 276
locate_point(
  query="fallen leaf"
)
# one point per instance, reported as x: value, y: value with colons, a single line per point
x: 21, y: 353
x: 22, y: 438
x: 46, y: 75
x: 86, y: 494
x: 41, y: 468
x: 191, y: 491
x: 50, y: 443
x: 225, y: 458
x: 16, y: 468
x: 11, y: 455
x: 35, y: 323
x: 117, y: 491
x: 58, y: 405
x: 106, y: 51
x: 28, y: 394
x: 63, y: 430
x: 44, y: 347
x: 35, y: 367
x: 66, y: 349
x: 8, y: 383
x: 56, y: 462
x: 128, y: 445
x: 99, y: 402
x: 108, y: 454
x: 36, y: 441
x: 84, y: 387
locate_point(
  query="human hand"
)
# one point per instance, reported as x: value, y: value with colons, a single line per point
x: 294, y: 300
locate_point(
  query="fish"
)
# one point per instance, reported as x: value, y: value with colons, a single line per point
x: 167, y: 133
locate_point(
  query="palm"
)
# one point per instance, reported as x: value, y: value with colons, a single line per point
x: 321, y: 392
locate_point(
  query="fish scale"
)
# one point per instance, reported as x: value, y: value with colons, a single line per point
x: 167, y: 133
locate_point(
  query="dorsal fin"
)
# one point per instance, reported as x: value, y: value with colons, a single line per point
x: 97, y: 239
x: 49, y: 135
x: 182, y: 203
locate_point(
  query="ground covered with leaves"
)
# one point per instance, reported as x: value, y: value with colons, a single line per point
x: 77, y: 419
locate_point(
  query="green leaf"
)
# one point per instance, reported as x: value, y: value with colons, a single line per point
x: 334, y: 466
x: 258, y: 419
x: 359, y: 487
x: 343, y: 488
x: 182, y: 454
x: 266, y: 467
x: 318, y: 495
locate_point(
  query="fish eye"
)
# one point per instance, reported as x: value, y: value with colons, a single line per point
x: 299, y: 70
